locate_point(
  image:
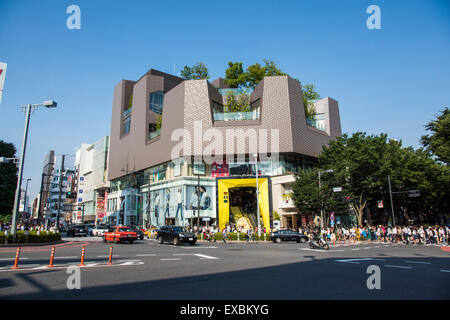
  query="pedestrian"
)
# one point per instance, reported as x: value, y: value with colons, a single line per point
x: 224, y: 235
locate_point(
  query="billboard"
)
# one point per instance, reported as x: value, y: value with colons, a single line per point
x: 2, y: 78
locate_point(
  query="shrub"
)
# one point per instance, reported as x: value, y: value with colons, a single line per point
x: 33, y: 237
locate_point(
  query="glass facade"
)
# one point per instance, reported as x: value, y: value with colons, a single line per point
x: 156, y: 101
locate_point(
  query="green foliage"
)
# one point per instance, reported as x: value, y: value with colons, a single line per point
x: 276, y: 215
x: 438, y: 142
x: 235, y: 76
x: 33, y: 237
x: 8, y: 179
x: 158, y: 121
x: 130, y: 102
x: 308, y: 196
x: 236, y: 103
x: 362, y: 163
x: 197, y: 72
x: 310, y: 95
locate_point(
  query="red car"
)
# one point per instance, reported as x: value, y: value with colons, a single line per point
x: 120, y: 233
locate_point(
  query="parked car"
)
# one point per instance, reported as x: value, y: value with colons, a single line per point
x: 77, y: 230
x: 140, y: 232
x: 120, y: 233
x: 99, y: 230
x: 288, y: 235
x: 176, y: 235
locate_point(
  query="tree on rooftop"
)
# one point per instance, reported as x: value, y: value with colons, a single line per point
x: 197, y: 72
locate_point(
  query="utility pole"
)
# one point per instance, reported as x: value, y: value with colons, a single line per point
x: 198, y: 201
x: 40, y: 198
x: 257, y: 194
x: 392, y: 203
x: 60, y: 191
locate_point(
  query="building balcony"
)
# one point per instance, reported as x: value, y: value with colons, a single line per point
x: 236, y: 116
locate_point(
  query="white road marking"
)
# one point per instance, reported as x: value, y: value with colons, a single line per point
x: 72, y: 257
x: 146, y: 255
x: 315, y: 250
x: 170, y: 259
x: 127, y: 260
x: 356, y: 260
x: 201, y: 256
x: 107, y: 256
x: 367, y: 248
x: 444, y: 270
x: 418, y: 262
x: 401, y: 267
x: 355, y: 249
x: 8, y: 259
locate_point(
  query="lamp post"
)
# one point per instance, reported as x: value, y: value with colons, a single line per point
x: 28, y: 109
x: 321, y: 206
x: 257, y: 193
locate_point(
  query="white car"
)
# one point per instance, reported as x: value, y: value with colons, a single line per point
x: 99, y: 230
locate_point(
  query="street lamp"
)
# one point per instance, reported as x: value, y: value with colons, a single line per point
x: 320, y: 187
x: 28, y: 109
x: 257, y: 193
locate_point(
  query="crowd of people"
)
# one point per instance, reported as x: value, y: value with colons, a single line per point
x: 6, y: 227
x: 418, y: 234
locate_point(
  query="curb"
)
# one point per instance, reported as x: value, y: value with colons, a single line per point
x: 445, y: 248
x: 30, y: 244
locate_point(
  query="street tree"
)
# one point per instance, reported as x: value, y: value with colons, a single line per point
x: 438, y: 142
x: 8, y: 180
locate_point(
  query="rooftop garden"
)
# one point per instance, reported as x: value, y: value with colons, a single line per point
x: 237, y: 104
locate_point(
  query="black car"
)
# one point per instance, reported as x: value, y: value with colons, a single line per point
x: 77, y: 230
x: 288, y: 235
x: 176, y: 235
x: 139, y: 232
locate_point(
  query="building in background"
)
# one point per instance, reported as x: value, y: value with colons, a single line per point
x: 58, y: 204
x: 91, y: 165
x: 47, y: 172
x: 151, y: 186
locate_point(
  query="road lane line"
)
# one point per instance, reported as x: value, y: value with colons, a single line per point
x: 146, y: 255
x: 8, y: 259
x: 444, y: 270
x: 107, y: 256
x: 401, y: 267
x: 355, y: 249
x: 72, y: 257
x: 418, y: 262
x: 168, y: 259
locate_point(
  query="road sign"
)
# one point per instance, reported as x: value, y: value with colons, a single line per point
x: 338, y: 189
x: 206, y: 219
x: 414, y: 193
x: 332, y: 216
x: 380, y: 204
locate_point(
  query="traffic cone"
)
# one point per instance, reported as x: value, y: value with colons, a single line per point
x: 16, y: 262
x: 83, y: 249
x: 51, y: 257
x: 110, y: 255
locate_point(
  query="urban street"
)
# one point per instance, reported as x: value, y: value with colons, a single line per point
x: 149, y: 270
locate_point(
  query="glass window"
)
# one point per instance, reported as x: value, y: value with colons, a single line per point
x: 156, y: 101
x: 126, y: 125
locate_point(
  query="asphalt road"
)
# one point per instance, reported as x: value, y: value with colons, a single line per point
x: 266, y: 271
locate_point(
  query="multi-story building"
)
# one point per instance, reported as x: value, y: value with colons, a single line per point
x: 47, y: 171
x: 91, y: 166
x: 186, y: 151
x: 57, y: 195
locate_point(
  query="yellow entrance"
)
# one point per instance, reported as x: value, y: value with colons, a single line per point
x: 224, y: 198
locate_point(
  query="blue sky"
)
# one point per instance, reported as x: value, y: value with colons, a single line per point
x: 392, y: 80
